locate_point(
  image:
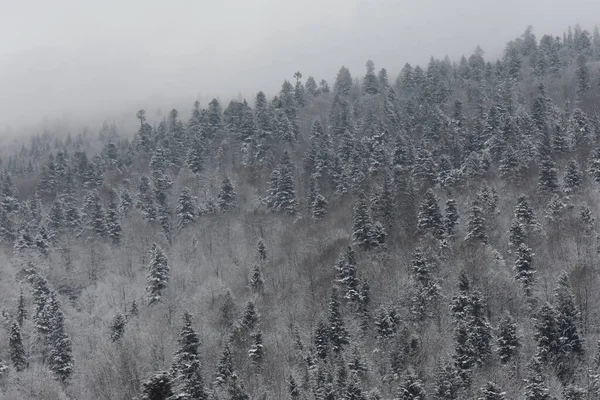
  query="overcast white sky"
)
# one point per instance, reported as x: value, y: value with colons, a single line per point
x: 98, y: 57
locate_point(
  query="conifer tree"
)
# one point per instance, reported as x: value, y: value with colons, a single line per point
x: 250, y: 317
x: 227, y: 195
x: 117, y: 328
x: 319, y: 207
x: 256, y: 281
x: 583, y: 76
x: 548, y: 178
x: 430, y: 217
x: 594, y: 165
x: 22, y: 312
x: 158, y: 274
x: 362, y: 226
x: 567, y: 318
x: 188, y: 383
x: 338, y: 334
x: 448, y: 383
x: 524, y: 269
x: 537, y: 388
x: 256, y: 352
x: 546, y: 334
x: 186, y: 211
x: 286, y: 193
x: 346, y: 274
x: 451, y: 217
x: 476, y: 223
x: 516, y: 234
x: 195, y: 158
x: 224, y: 367
x: 411, y: 387
x: 113, y: 225
x: 159, y: 387
x: 572, y: 179
x: 508, y: 339
x: 94, y: 213
x: 60, y: 360
x: 427, y: 291
x: 491, y: 392
x: 126, y: 202
x: 145, y: 202
x: 17, y: 351
x: 321, y: 340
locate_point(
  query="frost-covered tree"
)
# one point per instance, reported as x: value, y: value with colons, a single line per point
x: 227, y: 195
x: 188, y: 382
x: 113, y: 224
x: 117, y: 328
x: 186, y: 210
x: 430, y: 217
x: 524, y: 269
x: 476, y: 223
x: 508, y: 339
x: 158, y: 274
x: 338, y: 334
x: 17, y: 351
x: 412, y: 387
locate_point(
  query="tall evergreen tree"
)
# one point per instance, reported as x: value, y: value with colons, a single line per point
x: 508, y: 339
x: 227, y: 195
x: 338, y: 334
x: 476, y: 223
x: 186, y: 211
x: 524, y: 269
x: 113, y: 225
x: 17, y: 351
x: 430, y: 217
x: 158, y: 274
x: 188, y: 383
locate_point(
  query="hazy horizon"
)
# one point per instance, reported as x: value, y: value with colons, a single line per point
x: 102, y: 59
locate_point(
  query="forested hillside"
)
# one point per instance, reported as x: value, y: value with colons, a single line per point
x: 430, y: 236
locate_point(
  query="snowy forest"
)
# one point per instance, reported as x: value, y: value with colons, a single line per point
x: 434, y: 235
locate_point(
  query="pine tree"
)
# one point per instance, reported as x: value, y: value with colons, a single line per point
x: 353, y: 390
x: 548, y: 179
x: 256, y: 281
x: 195, y: 158
x: 256, y: 352
x: 476, y: 223
x: 159, y: 387
x: 293, y: 388
x: 411, y: 387
x: 17, y: 351
x: 224, y: 367
x: 186, y: 211
x: 524, y: 270
x: 427, y: 291
x: 321, y: 340
x: 227, y: 195
x: 126, y: 201
x: 236, y: 389
x: 572, y: 179
x: 22, y: 312
x: 430, y: 217
x: 319, y: 207
x: 188, y: 383
x: 508, y: 340
x: 567, y: 318
x: 362, y: 226
x: 546, y: 334
x: 594, y: 165
x: 448, y: 383
x: 338, y: 334
x: 451, y: 217
x: 536, y: 388
x: 286, y: 193
x: 113, y: 225
x: 94, y: 213
x: 491, y: 392
x: 583, y: 76
x: 346, y: 274
x: 516, y: 234
x: 60, y: 360
x: 117, y: 328
x: 145, y: 202
x: 250, y: 317
x: 524, y: 212
x: 158, y: 274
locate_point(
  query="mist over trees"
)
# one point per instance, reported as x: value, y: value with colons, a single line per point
x: 428, y: 236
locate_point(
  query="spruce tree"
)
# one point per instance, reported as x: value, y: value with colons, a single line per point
x: 516, y: 234
x: 195, y: 158
x: 491, y: 392
x: 113, y: 225
x: 188, y: 383
x: 451, y: 217
x: 186, y: 211
x: 60, y: 360
x: 250, y: 317
x: 508, y: 339
x: 159, y: 387
x: 286, y: 193
x: 524, y: 269
x: 95, y: 214
x: 430, y: 217
x: 227, y: 196
x: 338, y: 334
x: 346, y: 274
x: 594, y: 165
x: 567, y: 318
x: 22, y: 312
x: 321, y: 340
x: 536, y: 388
x: 224, y: 367
x: 17, y: 351
x: 546, y: 334
x: 476, y: 223
x: 256, y: 352
x: 256, y: 281
x: 412, y: 387
x: 158, y: 274
x: 572, y: 179
x: 145, y: 202
x: 319, y: 207
x: 117, y: 328
x: 548, y: 176
x: 362, y: 231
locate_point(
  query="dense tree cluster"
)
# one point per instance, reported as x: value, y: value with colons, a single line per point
x: 449, y: 201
